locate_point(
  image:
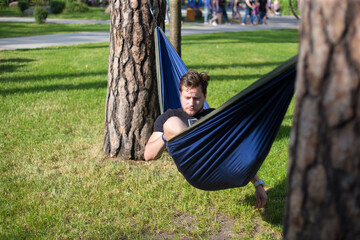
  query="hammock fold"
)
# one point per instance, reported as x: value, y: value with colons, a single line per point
x: 226, y: 148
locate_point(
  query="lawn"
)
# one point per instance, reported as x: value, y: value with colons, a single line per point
x: 19, y: 29
x: 22, y: 29
x: 56, y: 183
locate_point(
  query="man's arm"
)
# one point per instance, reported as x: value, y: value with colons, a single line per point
x: 260, y: 193
x: 154, y: 147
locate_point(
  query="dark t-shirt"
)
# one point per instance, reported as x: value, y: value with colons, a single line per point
x: 158, y: 125
x: 262, y: 5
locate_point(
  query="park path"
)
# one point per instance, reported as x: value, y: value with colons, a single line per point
x: 275, y: 22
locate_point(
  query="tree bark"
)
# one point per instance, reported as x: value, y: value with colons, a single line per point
x: 131, y: 100
x: 175, y: 25
x: 324, y: 167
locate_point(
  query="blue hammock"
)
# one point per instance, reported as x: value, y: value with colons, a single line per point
x: 226, y: 148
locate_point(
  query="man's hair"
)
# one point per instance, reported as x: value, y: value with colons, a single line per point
x: 193, y: 79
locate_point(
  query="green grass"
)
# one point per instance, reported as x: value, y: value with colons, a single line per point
x: 12, y: 12
x: 22, y: 29
x: 94, y: 13
x: 57, y: 184
x: 17, y: 29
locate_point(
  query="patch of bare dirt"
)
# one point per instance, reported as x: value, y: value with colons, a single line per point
x: 226, y: 229
x: 186, y: 222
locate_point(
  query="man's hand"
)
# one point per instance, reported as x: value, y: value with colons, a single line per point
x: 261, y: 196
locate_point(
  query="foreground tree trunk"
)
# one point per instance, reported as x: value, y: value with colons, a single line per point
x: 175, y: 25
x: 131, y: 100
x: 324, y: 168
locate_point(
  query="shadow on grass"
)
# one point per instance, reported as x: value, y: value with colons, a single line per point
x: 267, y: 36
x: 247, y: 77
x: 52, y: 77
x: 56, y: 87
x: 275, y: 206
x: 10, y: 65
x: 275, y: 209
x: 15, y: 60
x: 93, y: 47
x: 232, y: 66
x: 284, y: 132
x: 222, y: 66
x: 67, y: 47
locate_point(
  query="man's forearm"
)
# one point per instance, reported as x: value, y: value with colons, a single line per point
x: 154, y: 147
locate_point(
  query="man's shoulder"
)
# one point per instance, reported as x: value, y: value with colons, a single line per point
x: 171, y: 113
x: 161, y: 119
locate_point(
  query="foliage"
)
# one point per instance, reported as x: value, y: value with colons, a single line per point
x: 57, y: 6
x: 57, y: 184
x: 286, y: 9
x: 23, y: 5
x: 40, y: 14
x: 40, y: 2
x: 4, y: 4
x: 76, y: 7
x: 95, y: 13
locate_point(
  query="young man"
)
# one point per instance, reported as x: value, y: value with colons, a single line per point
x: 193, y: 90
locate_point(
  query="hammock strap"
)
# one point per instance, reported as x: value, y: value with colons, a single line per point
x: 152, y: 11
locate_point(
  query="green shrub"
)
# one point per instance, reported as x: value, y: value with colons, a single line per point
x: 57, y: 6
x: 286, y: 9
x: 4, y: 4
x: 76, y: 7
x: 40, y: 2
x: 23, y: 5
x: 40, y: 15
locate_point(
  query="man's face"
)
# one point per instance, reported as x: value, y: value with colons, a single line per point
x: 192, y: 100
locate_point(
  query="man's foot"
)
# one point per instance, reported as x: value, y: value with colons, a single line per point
x: 243, y: 24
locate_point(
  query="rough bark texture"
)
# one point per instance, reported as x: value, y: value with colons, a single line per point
x: 131, y: 100
x: 324, y: 167
x: 175, y: 25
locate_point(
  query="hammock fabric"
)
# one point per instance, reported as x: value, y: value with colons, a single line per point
x: 226, y: 148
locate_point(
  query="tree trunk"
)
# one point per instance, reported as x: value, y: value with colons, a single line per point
x: 324, y: 167
x: 131, y: 101
x: 175, y: 25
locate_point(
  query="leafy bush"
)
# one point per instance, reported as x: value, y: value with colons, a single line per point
x: 286, y: 9
x: 40, y: 2
x: 57, y: 6
x: 76, y: 7
x: 23, y: 5
x: 4, y: 4
x: 40, y: 15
